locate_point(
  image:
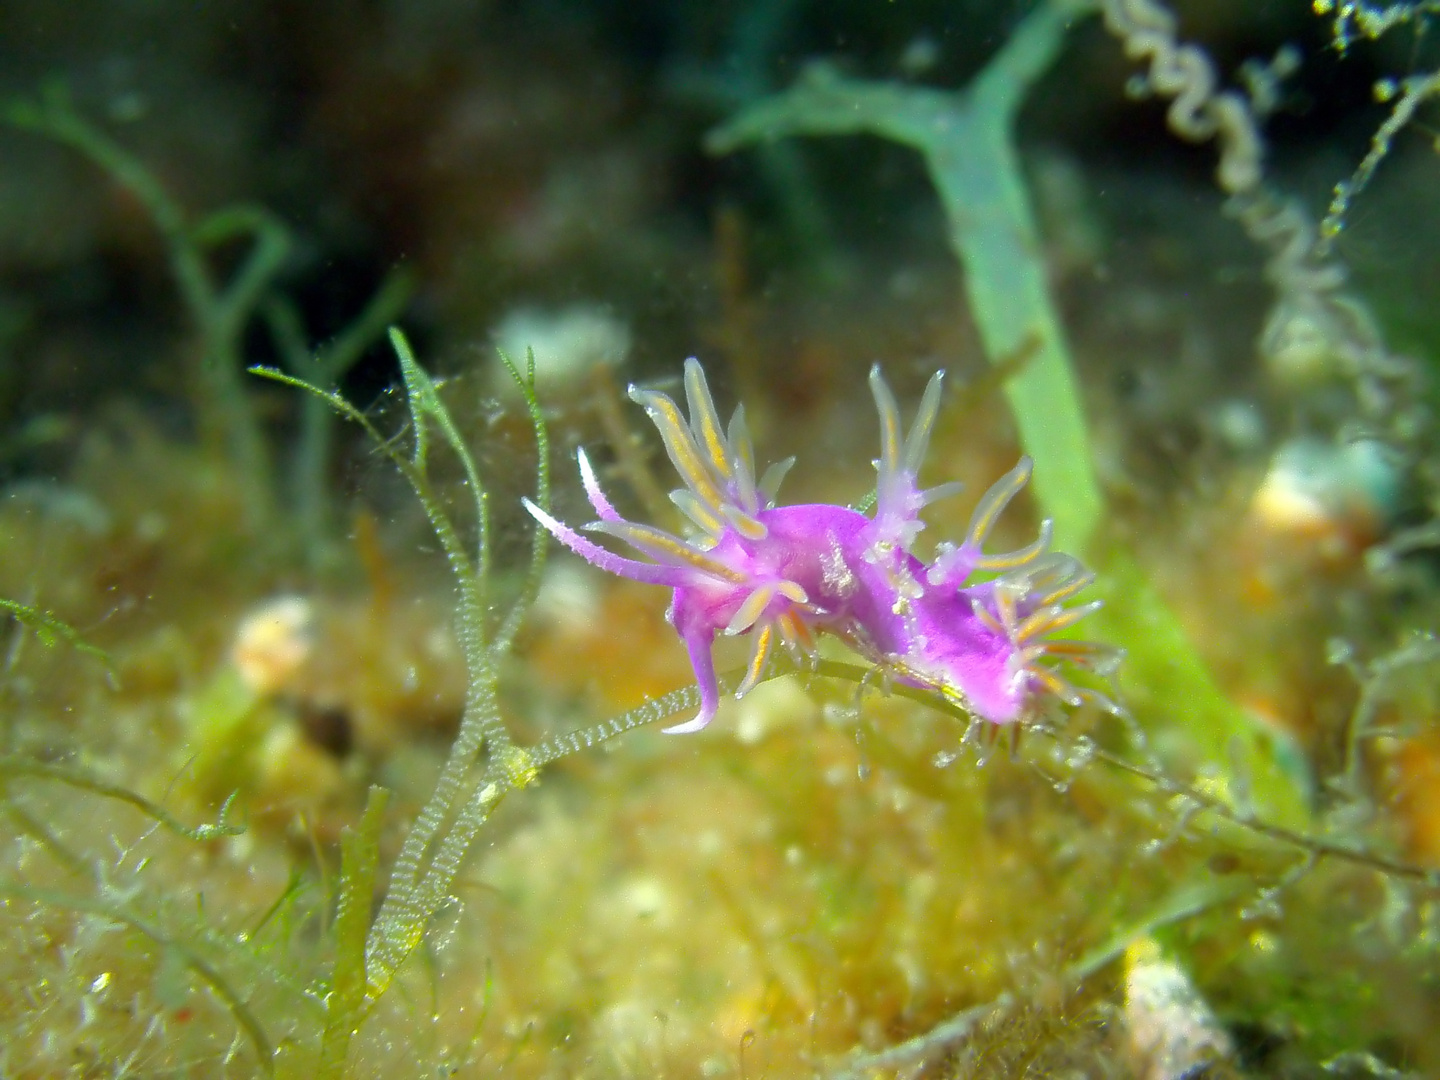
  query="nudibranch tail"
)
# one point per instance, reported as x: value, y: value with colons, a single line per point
x: 698, y: 646
x: 1030, y: 609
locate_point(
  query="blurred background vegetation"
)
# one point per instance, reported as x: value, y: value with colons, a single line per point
x: 820, y: 884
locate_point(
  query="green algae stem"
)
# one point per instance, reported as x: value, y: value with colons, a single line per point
x: 966, y: 138
x: 345, y: 1004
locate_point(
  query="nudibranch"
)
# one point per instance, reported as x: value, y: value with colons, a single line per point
x: 750, y: 566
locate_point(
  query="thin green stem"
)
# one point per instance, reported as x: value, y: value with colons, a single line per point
x: 539, y: 538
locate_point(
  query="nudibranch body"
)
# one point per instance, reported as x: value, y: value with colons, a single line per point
x: 785, y: 573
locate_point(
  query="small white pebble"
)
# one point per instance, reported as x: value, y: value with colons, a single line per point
x: 1170, y: 1029
x: 567, y: 342
x: 273, y: 642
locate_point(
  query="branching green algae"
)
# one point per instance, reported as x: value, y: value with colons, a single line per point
x: 966, y: 141
x: 221, y: 309
x: 50, y: 629
x: 467, y: 791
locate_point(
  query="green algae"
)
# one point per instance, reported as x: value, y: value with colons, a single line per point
x: 466, y: 792
x: 50, y: 629
x: 349, y: 986
x: 221, y: 307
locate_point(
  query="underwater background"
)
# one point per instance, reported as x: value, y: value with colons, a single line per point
x: 318, y: 758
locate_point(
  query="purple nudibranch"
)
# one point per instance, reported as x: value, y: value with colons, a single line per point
x: 749, y: 566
